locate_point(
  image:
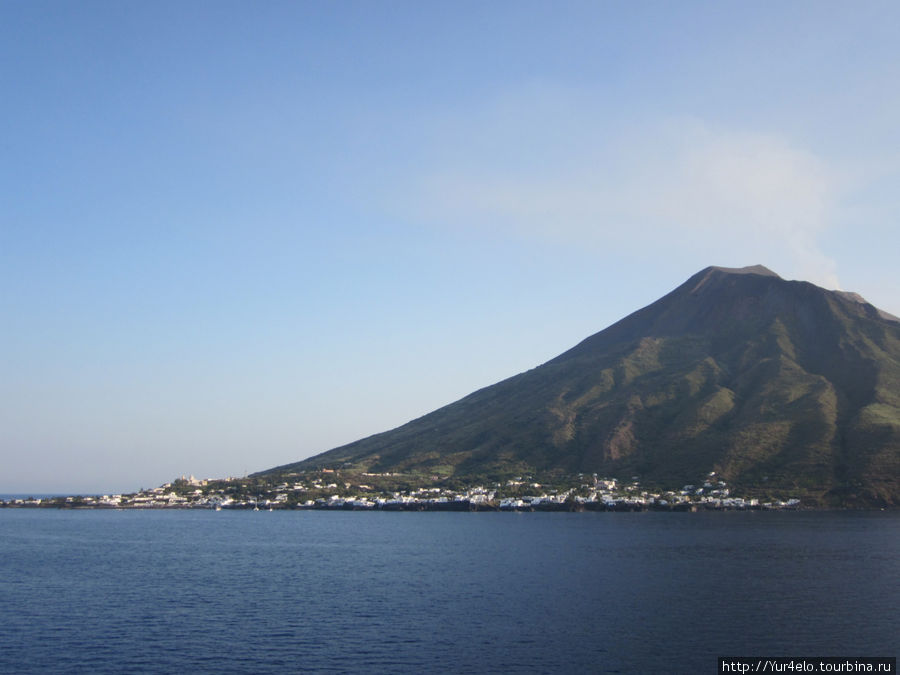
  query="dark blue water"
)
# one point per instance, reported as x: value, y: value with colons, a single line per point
x: 260, y: 592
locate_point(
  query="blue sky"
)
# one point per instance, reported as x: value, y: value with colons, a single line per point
x: 236, y: 234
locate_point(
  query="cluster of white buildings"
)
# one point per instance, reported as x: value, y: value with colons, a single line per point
x: 327, y: 490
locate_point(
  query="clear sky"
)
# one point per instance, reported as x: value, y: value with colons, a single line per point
x: 236, y: 234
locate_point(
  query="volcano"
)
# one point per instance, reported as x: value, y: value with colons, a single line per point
x: 772, y: 384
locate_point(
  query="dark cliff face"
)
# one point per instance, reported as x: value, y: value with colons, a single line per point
x: 772, y: 384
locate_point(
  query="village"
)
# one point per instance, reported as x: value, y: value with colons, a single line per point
x: 331, y: 489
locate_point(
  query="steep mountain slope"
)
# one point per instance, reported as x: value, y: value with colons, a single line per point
x: 774, y: 384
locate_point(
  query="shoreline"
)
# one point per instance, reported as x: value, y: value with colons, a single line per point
x: 458, y: 507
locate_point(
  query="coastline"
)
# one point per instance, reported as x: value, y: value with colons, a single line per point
x: 416, y: 506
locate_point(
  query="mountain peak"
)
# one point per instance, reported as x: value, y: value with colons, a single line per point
x: 762, y: 270
x: 703, y: 276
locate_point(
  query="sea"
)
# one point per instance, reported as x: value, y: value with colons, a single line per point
x: 160, y: 591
